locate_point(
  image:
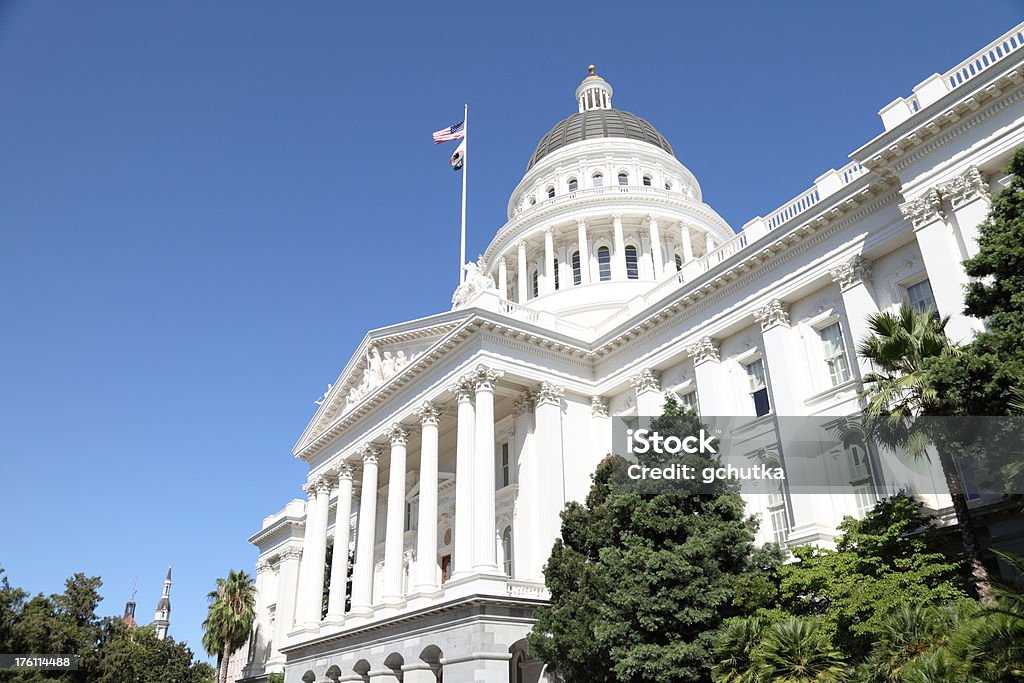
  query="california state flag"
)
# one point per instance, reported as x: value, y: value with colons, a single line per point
x: 459, y: 157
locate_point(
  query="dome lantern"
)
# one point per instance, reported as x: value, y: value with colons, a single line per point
x: 594, y: 92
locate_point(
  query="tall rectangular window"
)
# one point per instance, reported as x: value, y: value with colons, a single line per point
x: 920, y: 296
x: 577, y: 272
x: 604, y: 263
x: 689, y: 401
x: 834, y: 350
x: 410, y: 516
x: 504, y: 466
x: 758, y: 387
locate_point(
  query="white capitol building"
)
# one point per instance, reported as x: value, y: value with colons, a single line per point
x: 445, y: 450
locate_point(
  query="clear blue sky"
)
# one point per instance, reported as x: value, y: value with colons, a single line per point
x: 204, y: 206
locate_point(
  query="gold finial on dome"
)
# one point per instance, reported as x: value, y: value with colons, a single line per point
x: 592, y: 69
x: 594, y: 92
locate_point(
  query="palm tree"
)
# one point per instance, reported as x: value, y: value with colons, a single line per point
x: 736, y: 650
x: 800, y: 651
x: 229, y: 618
x: 898, y: 393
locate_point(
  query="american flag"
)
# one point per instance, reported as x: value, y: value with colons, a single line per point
x: 455, y: 132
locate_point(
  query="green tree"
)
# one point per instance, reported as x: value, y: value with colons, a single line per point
x: 899, y: 392
x: 229, y: 618
x: 891, y: 558
x: 639, y: 582
x: 136, y: 655
x: 799, y: 651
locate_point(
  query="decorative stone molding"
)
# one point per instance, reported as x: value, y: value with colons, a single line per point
x: 292, y: 552
x: 775, y: 313
x: 581, y: 223
x: 484, y: 378
x: 854, y: 272
x: 319, y: 484
x: 967, y: 186
x: 370, y: 454
x: 645, y: 380
x: 599, y: 406
x: 475, y: 281
x: 344, y: 471
x: 377, y: 370
x: 923, y: 210
x: 463, y: 389
x: 549, y: 394
x: 428, y: 413
x: 704, y: 350
x: 523, y: 404
x: 263, y: 566
x: 398, y: 435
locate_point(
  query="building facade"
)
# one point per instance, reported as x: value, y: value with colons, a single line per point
x: 441, y: 457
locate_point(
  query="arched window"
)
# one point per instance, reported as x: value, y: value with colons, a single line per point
x: 535, y: 283
x: 557, y: 283
x: 533, y: 200
x: 647, y: 181
x: 573, y: 184
x: 679, y: 262
x: 632, y: 263
x: 598, y: 180
x: 577, y: 272
x: 623, y: 179
x: 604, y: 263
x: 668, y: 184
x: 551, y: 191
x: 506, y: 550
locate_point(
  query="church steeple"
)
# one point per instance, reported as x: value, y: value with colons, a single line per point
x: 594, y: 92
x: 162, y: 618
x: 129, y: 610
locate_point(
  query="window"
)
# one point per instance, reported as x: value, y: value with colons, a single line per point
x: 668, y: 185
x: 556, y: 274
x: 920, y: 296
x: 535, y: 283
x: 604, y: 263
x: 573, y: 184
x: 533, y: 200
x: 632, y: 263
x: 679, y: 262
x: 577, y: 272
x: 410, y: 516
x: 623, y: 179
x: 834, y: 350
x: 758, y: 388
x: 779, y: 520
x: 506, y: 550
x: 504, y: 466
x: 551, y: 191
x: 689, y: 400
x: 860, y: 474
x: 647, y: 181
x: 598, y: 180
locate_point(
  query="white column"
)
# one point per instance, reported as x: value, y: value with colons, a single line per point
x: 713, y: 390
x: 314, y: 554
x: 601, y: 441
x: 619, y: 257
x: 502, y: 278
x: 709, y: 243
x: 362, y: 575
x: 649, y: 400
x: 394, y: 533
x: 525, y: 523
x: 788, y: 379
x: 548, y: 282
x: 522, y: 272
x: 581, y: 237
x: 548, y: 445
x: 854, y: 279
x: 484, y: 379
x: 465, y: 442
x: 426, y: 532
x: 287, y: 587
x: 339, y: 560
x: 656, y: 255
x: 260, y: 655
x: 684, y: 236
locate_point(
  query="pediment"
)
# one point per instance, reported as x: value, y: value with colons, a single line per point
x: 383, y: 356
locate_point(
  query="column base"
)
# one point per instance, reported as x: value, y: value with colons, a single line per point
x: 393, y: 600
x: 427, y: 589
x: 334, y: 620
x: 360, y: 611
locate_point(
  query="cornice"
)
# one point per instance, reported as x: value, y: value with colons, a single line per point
x: 277, y: 528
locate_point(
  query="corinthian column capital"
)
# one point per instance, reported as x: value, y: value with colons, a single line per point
x: 853, y: 272
x: 772, y: 314
x: 484, y: 378
x: 549, y: 394
x: 645, y: 380
x: 704, y: 350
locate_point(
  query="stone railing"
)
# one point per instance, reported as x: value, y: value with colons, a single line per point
x: 934, y: 87
x: 642, y: 190
x: 528, y: 589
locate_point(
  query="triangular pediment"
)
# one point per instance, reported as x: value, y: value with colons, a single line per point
x: 383, y: 356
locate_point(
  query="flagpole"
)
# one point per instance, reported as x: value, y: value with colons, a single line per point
x: 465, y: 161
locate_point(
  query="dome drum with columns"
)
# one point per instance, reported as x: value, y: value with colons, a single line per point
x: 441, y: 456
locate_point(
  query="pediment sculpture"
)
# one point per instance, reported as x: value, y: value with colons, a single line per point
x: 377, y: 370
x: 477, y: 280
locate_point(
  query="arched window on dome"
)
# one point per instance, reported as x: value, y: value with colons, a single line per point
x: 604, y: 263
x: 668, y: 185
x: 532, y: 200
x: 647, y: 180
x: 679, y: 262
x: 557, y: 283
x: 598, y: 180
x: 632, y: 263
x: 573, y: 185
x: 577, y: 272
x: 551, y: 191
x: 535, y: 283
x: 623, y: 178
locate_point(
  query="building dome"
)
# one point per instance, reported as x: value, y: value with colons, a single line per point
x: 592, y: 124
